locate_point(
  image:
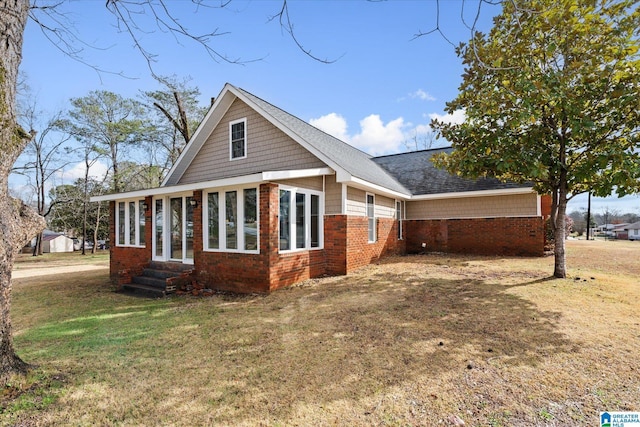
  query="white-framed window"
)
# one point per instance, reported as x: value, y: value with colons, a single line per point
x: 231, y: 220
x: 130, y: 223
x: 399, y: 216
x: 300, y: 219
x: 371, y: 217
x: 238, y: 139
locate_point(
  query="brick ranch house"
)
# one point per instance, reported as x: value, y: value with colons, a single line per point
x: 260, y: 199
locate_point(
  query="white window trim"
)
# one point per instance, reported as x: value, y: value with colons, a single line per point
x: 375, y: 222
x: 401, y: 218
x: 307, y: 215
x: 154, y: 237
x: 127, y: 225
x: 243, y: 120
x: 222, y: 236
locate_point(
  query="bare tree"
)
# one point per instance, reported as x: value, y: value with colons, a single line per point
x: 421, y: 141
x: 177, y: 113
x: 42, y: 158
x: 19, y: 223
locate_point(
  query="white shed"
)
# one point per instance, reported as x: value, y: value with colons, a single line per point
x: 56, y: 243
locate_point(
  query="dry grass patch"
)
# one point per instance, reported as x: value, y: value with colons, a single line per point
x: 412, y: 341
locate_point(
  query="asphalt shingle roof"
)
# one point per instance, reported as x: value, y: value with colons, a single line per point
x: 417, y: 173
x: 358, y: 163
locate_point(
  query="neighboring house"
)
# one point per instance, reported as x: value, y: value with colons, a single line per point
x: 54, y: 243
x: 620, y: 231
x: 260, y: 199
x: 633, y: 231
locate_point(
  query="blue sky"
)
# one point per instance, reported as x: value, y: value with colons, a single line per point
x: 382, y: 89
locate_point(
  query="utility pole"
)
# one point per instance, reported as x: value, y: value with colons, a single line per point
x: 589, y: 215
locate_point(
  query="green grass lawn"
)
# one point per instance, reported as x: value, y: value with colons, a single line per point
x: 412, y: 341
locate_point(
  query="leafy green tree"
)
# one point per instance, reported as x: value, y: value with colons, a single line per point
x: 67, y: 212
x: 551, y: 97
x: 110, y: 123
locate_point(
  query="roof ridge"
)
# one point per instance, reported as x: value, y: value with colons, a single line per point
x: 302, y: 121
x: 412, y: 152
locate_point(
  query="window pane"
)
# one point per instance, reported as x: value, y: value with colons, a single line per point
x: 300, y: 213
x: 141, y: 223
x: 159, y: 229
x: 285, y: 221
x: 213, y: 222
x: 250, y: 220
x: 237, y: 149
x: 399, y: 218
x: 371, y: 217
x: 132, y: 223
x: 121, y: 222
x: 189, y: 229
x: 237, y: 131
x: 237, y: 140
x: 231, y: 200
x: 315, y: 221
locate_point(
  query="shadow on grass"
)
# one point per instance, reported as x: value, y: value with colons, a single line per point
x: 355, y: 337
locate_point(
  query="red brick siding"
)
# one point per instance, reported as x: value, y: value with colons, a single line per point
x: 545, y: 205
x: 335, y: 244
x: 360, y: 251
x: 486, y: 236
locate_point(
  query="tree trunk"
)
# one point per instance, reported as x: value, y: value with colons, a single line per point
x: 560, y: 232
x: 18, y: 222
x: 95, y: 229
x: 560, y: 268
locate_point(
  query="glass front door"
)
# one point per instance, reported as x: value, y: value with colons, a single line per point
x: 173, y: 237
x: 175, y: 225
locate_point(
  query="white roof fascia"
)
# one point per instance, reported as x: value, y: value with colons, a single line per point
x: 299, y: 173
x: 199, y: 137
x: 378, y: 189
x: 480, y: 193
x: 224, y: 182
x: 174, y: 189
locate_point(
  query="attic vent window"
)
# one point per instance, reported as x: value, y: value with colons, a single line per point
x: 238, y: 139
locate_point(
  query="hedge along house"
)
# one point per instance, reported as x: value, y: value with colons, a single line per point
x: 260, y: 199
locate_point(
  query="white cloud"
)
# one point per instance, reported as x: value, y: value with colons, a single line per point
x: 98, y: 170
x: 333, y: 124
x: 457, y: 117
x: 421, y: 94
x: 377, y: 138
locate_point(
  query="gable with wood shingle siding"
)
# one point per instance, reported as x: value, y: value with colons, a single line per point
x: 268, y: 149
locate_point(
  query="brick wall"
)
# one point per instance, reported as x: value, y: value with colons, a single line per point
x: 545, y: 205
x: 485, y: 236
x: 335, y: 244
x: 360, y: 251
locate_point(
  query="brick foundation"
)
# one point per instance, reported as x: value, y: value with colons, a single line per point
x: 482, y: 236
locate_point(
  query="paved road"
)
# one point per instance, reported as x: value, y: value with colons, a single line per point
x: 40, y: 271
